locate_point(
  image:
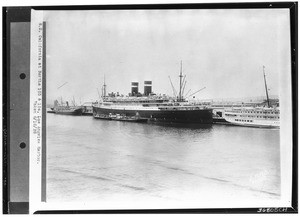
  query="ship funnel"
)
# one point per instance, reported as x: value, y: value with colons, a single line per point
x: 134, y: 88
x: 147, y: 88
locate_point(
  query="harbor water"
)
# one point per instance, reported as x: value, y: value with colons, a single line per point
x: 102, y: 160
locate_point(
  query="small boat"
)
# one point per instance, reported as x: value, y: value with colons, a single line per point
x: 119, y: 117
x: 102, y: 116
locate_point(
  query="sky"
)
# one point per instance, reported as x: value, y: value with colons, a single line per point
x: 223, y: 50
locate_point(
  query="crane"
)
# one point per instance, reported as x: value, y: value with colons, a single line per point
x: 197, y: 91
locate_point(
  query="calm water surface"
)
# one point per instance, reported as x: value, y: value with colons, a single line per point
x: 89, y: 159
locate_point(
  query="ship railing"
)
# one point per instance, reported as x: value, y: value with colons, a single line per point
x: 137, y: 99
x: 186, y: 108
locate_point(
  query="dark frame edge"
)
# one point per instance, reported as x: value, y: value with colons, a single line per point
x: 5, y: 114
x: 293, y: 6
x: 149, y: 6
x: 9, y: 15
x: 294, y: 70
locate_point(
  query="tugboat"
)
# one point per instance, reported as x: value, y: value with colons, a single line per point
x: 265, y: 117
x: 122, y: 117
x: 102, y: 116
x: 154, y: 108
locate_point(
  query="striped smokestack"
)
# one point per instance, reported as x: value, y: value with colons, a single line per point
x: 134, y: 88
x: 147, y: 87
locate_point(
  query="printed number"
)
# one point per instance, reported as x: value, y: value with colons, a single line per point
x: 272, y: 209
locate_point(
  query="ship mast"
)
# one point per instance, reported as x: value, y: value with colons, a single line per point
x: 73, y: 101
x: 266, y: 87
x: 180, y: 82
x: 104, y: 88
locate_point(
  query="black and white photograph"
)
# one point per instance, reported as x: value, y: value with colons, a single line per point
x: 175, y: 106
x: 163, y: 108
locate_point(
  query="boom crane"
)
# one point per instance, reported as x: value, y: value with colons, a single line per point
x: 197, y: 91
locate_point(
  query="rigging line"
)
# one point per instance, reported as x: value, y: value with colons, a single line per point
x: 62, y: 85
x: 173, y: 88
x: 197, y: 91
x: 98, y: 93
x: 187, y: 93
x: 183, y: 87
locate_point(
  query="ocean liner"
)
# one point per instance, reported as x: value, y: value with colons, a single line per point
x: 265, y: 117
x: 154, y: 108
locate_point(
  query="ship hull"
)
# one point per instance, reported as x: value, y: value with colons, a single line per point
x: 51, y: 110
x: 74, y: 112
x: 219, y: 121
x: 260, y: 117
x: 140, y: 120
x: 203, y: 116
x: 87, y: 113
x: 258, y: 124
